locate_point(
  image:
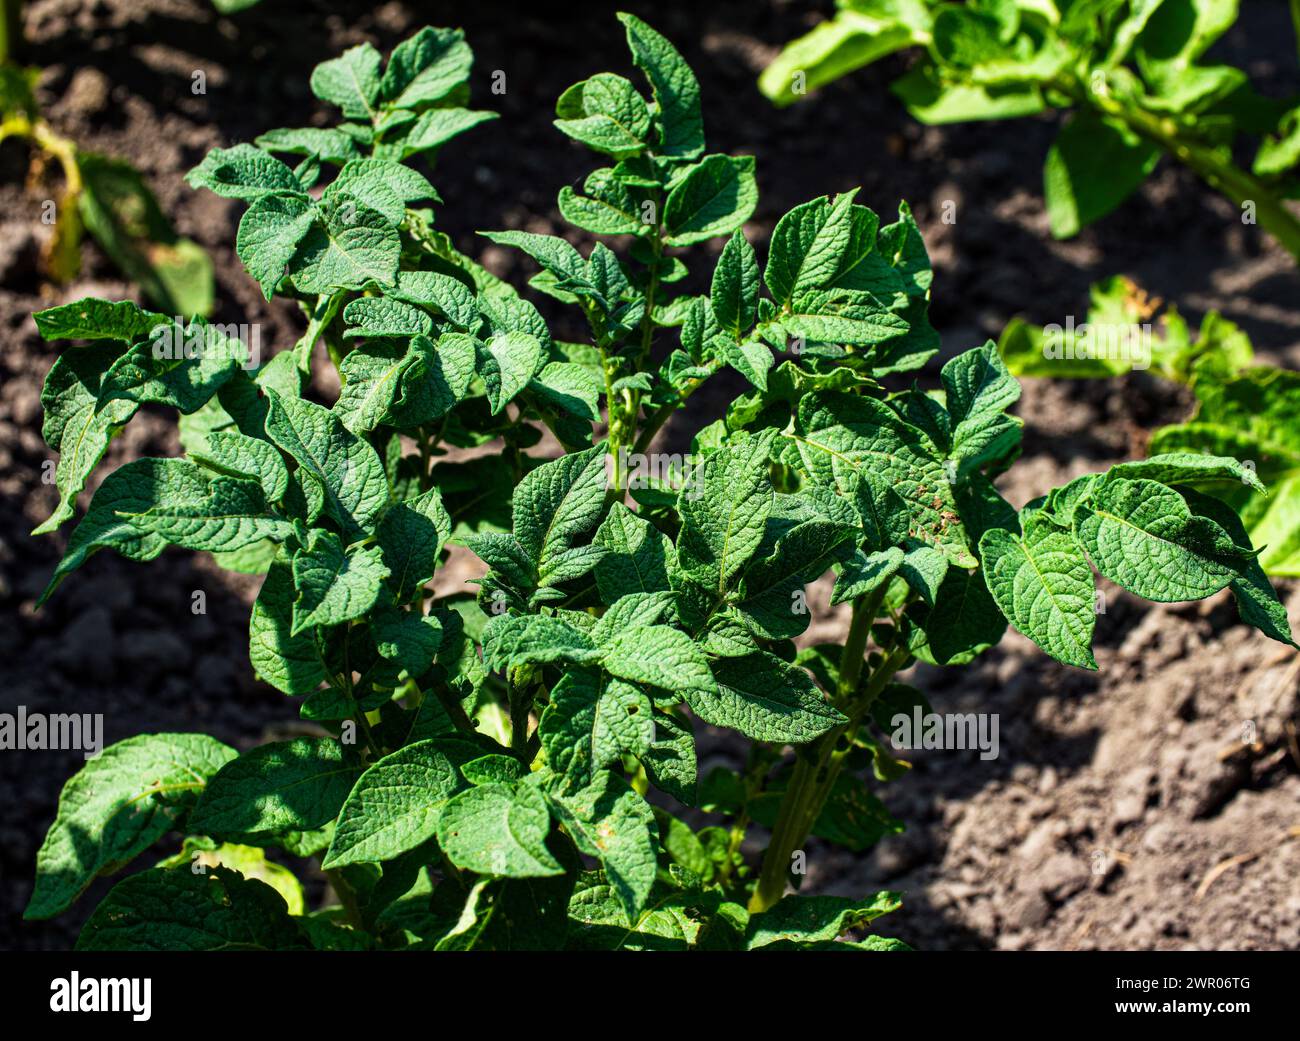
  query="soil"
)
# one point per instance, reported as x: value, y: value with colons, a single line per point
x: 1150, y: 805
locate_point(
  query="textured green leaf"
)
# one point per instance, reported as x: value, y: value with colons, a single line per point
x: 978, y: 384
x: 1142, y: 536
x: 863, y: 573
x: 407, y: 638
x: 352, y: 245
x: 1189, y: 468
x: 963, y: 622
x: 724, y: 519
x: 410, y: 536
x: 510, y: 640
x: 494, y: 769
x: 134, y: 488
x: 842, y: 436
x: 394, y: 806
x: 670, y: 759
x: 328, y: 143
x: 660, y: 656
x: 437, y: 126
x: 94, y: 319
x: 556, y: 504
x: 611, y: 822
x: 608, y: 207
x: 571, y: 387
x: 636, y: 558
x: 734, y: 293
x: 807, y: 247
x: 380, y: 316
x: 510, y: 361
x: 605, y: 113
x: 376, y: 377
x: 426, y: 67
x: 442, y: 292
x: 676, y: 90
x: 1043, y: 584
x: 496, y: 829
x: 269, y: 234
x: 808, y: 919
x: 632, y: 610
x: 1257, y: 600
x: 387, y: 187
x: 293, y: 785
x: 438, y: 382
x: 715, y: 198
x: 764, y: 698
x: 350, y: 81
x: 175, y: 909
x: 74, y: 426
x: 180, y: 368
x: 766, y: 595
x: 243, y: 172
x: 117, y: 806
x: 289, y: 662
x: 237, y: 455
x: 334, y: 585
x: 234, y: 515
x: 344, y: 468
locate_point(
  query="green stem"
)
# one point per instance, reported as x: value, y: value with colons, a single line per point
x: 1218, y: 172
x: 664, y: 412
x: 322, y: 313
x: 616, y: 425
x: 11, y: 30
x: 1295, y: 21
x: 818, y: 765
x: 347, y: 897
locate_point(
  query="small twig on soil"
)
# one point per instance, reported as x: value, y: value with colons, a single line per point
x: 1241, y: 858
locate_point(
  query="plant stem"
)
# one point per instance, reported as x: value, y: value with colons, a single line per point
x: 347, y: 897
x: 818, y: 765
x: 664, y: 412
x: 11, y: 30
x: 1218, y: 172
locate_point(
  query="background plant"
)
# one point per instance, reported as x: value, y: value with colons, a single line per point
x: 1134, y: 76
x: 101, y: 195
x: 1244, y: 410
x: 507, y: 769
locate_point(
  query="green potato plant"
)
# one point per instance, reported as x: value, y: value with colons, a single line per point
x: 1133, y: 75
x: 107, y: 198
x: 1244, y: 410
x: 516, y: 767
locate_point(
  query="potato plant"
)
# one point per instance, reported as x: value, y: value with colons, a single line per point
x: 103, y: 196
x: 1242, y: 409
x: 516, y: 767
x: 1135, y: 76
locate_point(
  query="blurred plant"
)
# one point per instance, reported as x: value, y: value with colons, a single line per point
x: 1250, y: 412
x: 1131, y: 72
x: 103, y: 196
x: 483, y: 774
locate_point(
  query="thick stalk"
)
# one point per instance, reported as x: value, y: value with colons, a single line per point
x: 818, y: 766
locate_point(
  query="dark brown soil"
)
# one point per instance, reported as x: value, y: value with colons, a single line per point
x: 1117, y: 796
